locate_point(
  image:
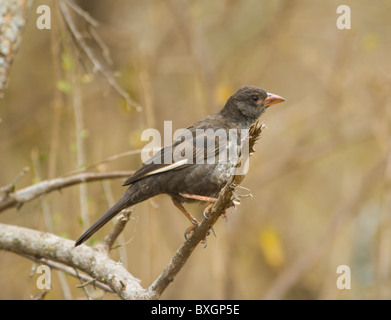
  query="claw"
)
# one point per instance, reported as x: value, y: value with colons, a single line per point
x: 206, y: 211
x: 225, y: 216
x: 190, y: 229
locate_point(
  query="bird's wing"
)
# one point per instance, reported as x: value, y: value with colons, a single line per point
x: 156, y: 164
x: 186, y: 150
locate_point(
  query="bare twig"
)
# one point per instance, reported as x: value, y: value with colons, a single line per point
x: 82, y: 13
x: 11, y: 186
x: 69, y: 270
x: 92, y: 57
x: 109, y: 159
x: 120, y: 238
x: 18, y: 198
x: 47, y: 217
x: 101, y: 44
x: 80, y: 146
x: 58, y: 103
x: 119, y: 226
x: 40, y: 296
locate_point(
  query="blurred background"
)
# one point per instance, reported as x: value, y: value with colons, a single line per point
x: 321, y: 176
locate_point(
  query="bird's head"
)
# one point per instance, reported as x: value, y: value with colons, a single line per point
x: 250, y: 102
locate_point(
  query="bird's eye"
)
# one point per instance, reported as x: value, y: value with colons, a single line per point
x: 255, y: 98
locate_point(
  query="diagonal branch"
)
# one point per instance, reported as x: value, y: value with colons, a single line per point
x: 86, y: 16
x: 119, y: 226
x: 80, y: 40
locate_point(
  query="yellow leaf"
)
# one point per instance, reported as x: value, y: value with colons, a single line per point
x: 135, y: 139
x: 370, y: 41
x: 271, y: 247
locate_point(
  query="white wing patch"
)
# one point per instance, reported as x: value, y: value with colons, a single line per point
x: 169, y: 167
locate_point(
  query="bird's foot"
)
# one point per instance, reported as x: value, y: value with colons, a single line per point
x: 206, y: 211
x: 191, y: 229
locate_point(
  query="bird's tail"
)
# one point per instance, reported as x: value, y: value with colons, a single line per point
x: 110, y: 214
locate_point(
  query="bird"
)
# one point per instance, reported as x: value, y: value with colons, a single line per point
x: 192, y: 175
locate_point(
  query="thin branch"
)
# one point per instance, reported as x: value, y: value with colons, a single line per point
x: 48, y: 221
x: 119, y: 226
x: 11, y: 186
x: 40, y: 295
x: 109, y: 159
x: 86, y: 16
x: 80, y: 146
x: 18, y: 198
x: 101, y: 44
x: 68, y: 270
x: 120, y: 238
x: 91, y: 56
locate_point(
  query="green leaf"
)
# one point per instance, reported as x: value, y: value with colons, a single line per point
x: 64, y: 86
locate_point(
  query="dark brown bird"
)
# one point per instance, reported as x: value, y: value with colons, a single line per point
x: 194, y: 175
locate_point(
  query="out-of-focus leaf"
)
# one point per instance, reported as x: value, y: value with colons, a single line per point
x: 370, y: 41
x: 64, y: 86
x: 271, y: 247
x: 135, y: 139
x: 67, y: 62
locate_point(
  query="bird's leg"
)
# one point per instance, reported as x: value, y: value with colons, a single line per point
x: 193, y: 220
x: 206, y: 199
x: 197, y: 197
x: 185, y: 212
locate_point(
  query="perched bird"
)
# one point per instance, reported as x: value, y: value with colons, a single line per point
x: 193, y: 173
